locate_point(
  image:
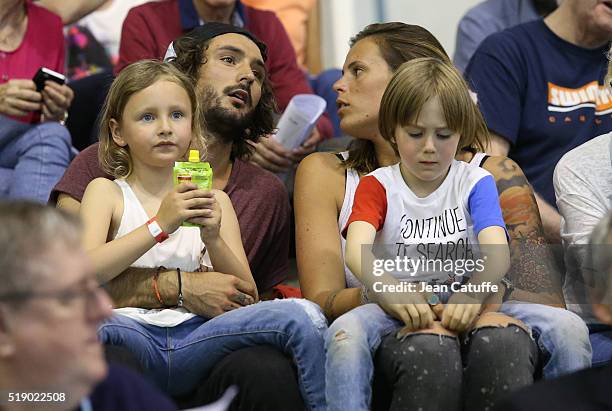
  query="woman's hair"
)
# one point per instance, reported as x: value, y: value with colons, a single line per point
x: 397, y: 43
x: 419, y: 80
x: 114, y: 159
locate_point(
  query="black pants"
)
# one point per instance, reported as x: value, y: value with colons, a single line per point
x: 265, y: 377
x: 432, y: 372
x: 89, y: 95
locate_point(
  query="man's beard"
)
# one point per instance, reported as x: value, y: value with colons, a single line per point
x: 226, y: 125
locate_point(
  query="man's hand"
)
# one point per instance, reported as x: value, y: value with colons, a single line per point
x: 56, y: 100
x: 212, y: 294
x: 307, y: 147
x: 271, y: 155
x: 19, y: 97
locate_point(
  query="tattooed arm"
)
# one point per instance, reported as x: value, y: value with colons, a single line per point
x: 533, y: 271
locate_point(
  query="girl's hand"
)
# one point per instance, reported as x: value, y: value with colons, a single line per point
x: 416, y: 315
x: 459, y: 316
x: 210, y: 221
x: 183, y: 203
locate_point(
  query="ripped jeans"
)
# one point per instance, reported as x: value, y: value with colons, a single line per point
x: 561, y: 335
x: 178, y: 358
x: 352, y: 340
x: 350, y: 343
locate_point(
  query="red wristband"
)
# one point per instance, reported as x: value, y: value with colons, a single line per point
x: 156, y: 230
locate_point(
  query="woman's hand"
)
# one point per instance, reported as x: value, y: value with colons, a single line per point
x: 19, y: 97
x: 56, y: 100
x: 183, y: 203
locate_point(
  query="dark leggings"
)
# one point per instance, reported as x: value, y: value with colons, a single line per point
x: 434, y: 372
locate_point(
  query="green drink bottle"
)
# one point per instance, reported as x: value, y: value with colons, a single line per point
x: 193, y: 171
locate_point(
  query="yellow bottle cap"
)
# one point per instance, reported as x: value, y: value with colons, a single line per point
x: 194, y: 156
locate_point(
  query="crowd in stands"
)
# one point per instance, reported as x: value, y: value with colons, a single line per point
x: 455, y: 255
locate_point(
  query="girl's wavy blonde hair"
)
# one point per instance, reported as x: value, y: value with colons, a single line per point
x: 116, y: 160
x: 417, y: 81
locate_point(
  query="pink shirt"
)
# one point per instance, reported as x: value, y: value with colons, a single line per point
x: 42, y: 45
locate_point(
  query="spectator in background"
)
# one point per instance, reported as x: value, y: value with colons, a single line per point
x: 540, y: 88
x: 50, y: 309
x: 93, y: 49
x: 86, y: 56
x: 583, y: 185
x: 35, y: 148
x: 148, y: 30
x: 588, y: 389
x: 93, y: 41
x: 70, y: 11
x: 295, y: 15
x: 492, y: 16
x: 105, y: 24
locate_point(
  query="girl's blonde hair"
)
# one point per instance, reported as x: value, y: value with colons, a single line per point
x: 421, y: 79
x: 116, y: 160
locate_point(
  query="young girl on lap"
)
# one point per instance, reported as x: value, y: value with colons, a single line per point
x: 150, y: 121
x: 152, y: 118
x: 428, y: 207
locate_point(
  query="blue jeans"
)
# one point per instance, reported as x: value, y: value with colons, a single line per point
x: 179, y: 358
x: 601, y: 341
x: 350, y: 343
x: 33, y: 157
x: 562, y: 336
